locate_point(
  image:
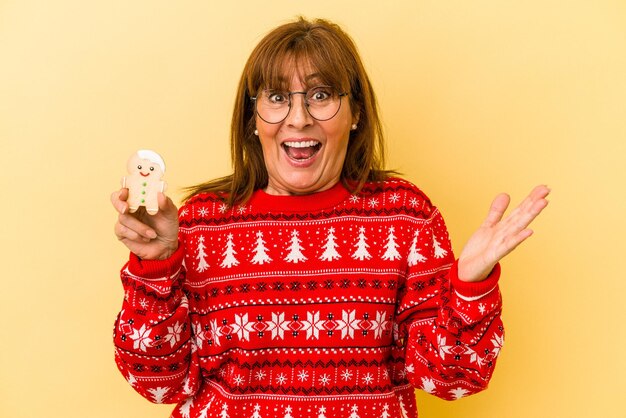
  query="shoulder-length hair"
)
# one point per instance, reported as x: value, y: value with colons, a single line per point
x: 324, y: 47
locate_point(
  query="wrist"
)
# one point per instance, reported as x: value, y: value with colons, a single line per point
x: 470, y: 273
x: 169, y: 251
x: 474, y: 290
x: 156, y: 268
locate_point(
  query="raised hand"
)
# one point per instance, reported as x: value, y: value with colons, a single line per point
x: 150, y: 237
x: 497, y: 237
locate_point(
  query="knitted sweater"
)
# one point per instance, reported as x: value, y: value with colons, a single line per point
x: 323, y: 305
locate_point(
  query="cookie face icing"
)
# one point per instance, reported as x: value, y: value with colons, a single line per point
x: 145, y: 170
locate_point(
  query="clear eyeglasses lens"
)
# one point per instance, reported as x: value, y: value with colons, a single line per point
x: 322, y: 103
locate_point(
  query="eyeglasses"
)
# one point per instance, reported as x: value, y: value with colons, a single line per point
x: 322, y: 103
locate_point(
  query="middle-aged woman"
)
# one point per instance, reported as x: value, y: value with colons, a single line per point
x: 310, y: 282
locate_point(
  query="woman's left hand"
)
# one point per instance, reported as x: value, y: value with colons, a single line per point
x: 497, y: 237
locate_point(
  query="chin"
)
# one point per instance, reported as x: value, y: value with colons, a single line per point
x: 299, y: 184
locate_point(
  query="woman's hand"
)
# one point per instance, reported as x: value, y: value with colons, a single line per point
x: 150, y: 237
x: 497, y: 237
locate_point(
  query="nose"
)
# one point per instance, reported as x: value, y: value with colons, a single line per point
x: 298, y: 116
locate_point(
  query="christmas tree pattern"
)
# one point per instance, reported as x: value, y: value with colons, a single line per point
x: 295, y: 249
x: 414, y: 255
x: 385, y: 413
x: 185, y: 409
x: 288, y: 412
x: 458, y: 393
x: 260, y: 251
x: 158, y: 394
x: 403, y: 412
x: 224, y: 413
x: 361, y: 252
x: 439, y: 252
x: 428, y: 385
x: 205, y: 411
x: 391, y: 247
x: 256, y: 413
x: 354, y: 412
x: 229, y: 253
x: 321, y: 412
x: 201, y: 256
x: 330, y: 248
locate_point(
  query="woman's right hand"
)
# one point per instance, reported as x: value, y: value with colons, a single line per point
x: 150, y: 237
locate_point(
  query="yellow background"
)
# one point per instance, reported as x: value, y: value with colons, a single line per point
x: 477, y: 97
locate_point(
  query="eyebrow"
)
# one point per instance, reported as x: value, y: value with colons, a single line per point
x: 312, y: 76
x: 309, y: 77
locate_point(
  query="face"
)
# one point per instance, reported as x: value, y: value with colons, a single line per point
x: 144, y: 167
x: 304, y: 155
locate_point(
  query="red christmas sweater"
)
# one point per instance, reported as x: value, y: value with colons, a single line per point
x: 324, y: 305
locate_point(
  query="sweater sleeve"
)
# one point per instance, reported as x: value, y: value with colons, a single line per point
x: 152, y: 335
x: 451, y: 330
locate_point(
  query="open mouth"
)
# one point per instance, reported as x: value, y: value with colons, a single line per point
x: 145, y: 175
x: 301, y: 150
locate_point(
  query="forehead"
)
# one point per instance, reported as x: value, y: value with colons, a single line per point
x: 302, y: 73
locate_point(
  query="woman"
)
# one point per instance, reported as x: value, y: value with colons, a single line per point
x: 310, y: 282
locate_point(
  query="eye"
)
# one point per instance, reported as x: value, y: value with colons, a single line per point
x: 151, y: 168
x: 277, y: 97
x: 139, y: 167
x: 319, y: 94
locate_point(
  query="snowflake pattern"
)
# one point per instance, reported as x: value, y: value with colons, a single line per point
x: 367, y: 379
x: 141, y: 338
x: 324, y: 379
x: 311, y: 326
x: 173, y: 333
x: 281, y: 378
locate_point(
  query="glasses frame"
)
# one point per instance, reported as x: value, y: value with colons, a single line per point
x: 306, y: 105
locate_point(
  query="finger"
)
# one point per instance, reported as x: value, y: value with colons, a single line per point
x: 166, y: 204
x: 526, y: 217
x: 497, y: 209
x: 127, y: 235
x: 522, y: 216
x: 538, y: 193
x: 514, y: 241
x: 163, y: 201
x: 118, y: 200
x: 134, y: 224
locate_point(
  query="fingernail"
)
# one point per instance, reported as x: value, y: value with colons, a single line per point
x: 151, y: 234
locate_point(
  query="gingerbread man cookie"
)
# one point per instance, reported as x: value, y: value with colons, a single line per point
x: 145, y: 169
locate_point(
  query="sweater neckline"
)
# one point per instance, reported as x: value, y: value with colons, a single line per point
x: 261, y: 200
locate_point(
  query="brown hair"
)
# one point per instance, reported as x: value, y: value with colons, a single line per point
x: 325, y: 47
